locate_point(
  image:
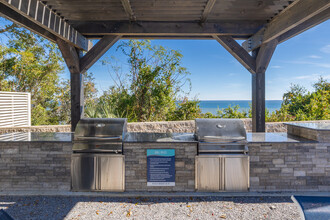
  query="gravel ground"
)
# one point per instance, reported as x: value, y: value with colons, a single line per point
x: 82, y: 207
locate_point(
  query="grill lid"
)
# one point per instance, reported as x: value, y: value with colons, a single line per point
x: 107, y: 129
x: 220, y: 130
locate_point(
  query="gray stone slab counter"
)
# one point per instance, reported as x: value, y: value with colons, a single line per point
x: 135, y: 151
x: 313, y: 131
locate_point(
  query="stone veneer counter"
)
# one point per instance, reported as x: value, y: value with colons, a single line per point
x: 313, y: 131
x: 278, y: 161
x: 147, y: 137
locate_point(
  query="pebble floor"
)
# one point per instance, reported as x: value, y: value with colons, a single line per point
x: 82, y: 207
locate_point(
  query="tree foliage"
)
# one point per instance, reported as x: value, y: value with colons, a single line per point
x: 300, y: 105
x: 150, y: 89
x: 29, y: 63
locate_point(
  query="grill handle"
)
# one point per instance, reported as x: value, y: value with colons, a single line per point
x: 98, y: 138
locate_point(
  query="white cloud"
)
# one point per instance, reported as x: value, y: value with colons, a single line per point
x: 315, y: 57
x: 326, y: 49
x: 275, y: 67
x: 311, y: 77
x: 324, y: 65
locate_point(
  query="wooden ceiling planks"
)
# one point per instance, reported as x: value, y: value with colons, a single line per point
x: 163, y: 10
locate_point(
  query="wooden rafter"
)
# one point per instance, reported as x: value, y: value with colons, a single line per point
x: 101, y: 28
x: 39, y: 18
x: 317, y: 19
x: 300, y: 12
x: 97, y: 51
x: 128, y: 9
x: 238, y: 52
x: 207, y: 10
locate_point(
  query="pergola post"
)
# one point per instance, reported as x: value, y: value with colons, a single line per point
x: 263, y: 56
x: 71, y: 56
x: 258, y: 101
x: 77, y: 98
x: 78, y: 65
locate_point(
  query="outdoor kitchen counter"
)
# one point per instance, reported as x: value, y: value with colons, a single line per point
x: 148, y: 137
x: 189, y: 138
x: 275, y: 138
x: 159, y: 137
x: 37, y: 137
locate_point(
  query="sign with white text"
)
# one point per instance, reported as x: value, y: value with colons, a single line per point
x: 161, y: 167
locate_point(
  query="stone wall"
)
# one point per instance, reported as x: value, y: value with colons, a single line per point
x: 35, y: 166
x: 159, y: 127
x: 136, y: 166
x: 42, y: 128
x: 290, y: 167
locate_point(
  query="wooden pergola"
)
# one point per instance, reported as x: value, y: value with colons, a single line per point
x: 263, y: 24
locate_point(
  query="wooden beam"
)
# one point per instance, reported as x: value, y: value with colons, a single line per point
x: 207, y: 10
x: 37, y: 17
x: 258, y: 102
x: 101, y: 28
x: 128, y: 9
x: 70, y: 56
x: 263, y: 56
x: 97, y: 51
x: 238, y: 52
x: 77, y: 98
x: 317, y: 19
x: 291, y: 18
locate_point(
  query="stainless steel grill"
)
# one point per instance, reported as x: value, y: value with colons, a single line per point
x: 222, y: 163
x: 221, y: 136
x: 98, y: 163
x: 96, y: 135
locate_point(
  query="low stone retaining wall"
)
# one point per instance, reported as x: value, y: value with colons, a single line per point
x: 158, y: 126
x: 289, y: 167
x: 35, y: 166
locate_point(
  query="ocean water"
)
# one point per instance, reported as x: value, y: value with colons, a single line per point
x: 213, y: 106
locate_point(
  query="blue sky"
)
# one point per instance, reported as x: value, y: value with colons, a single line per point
x: 216, y: 75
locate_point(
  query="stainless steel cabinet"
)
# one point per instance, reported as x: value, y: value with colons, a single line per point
x: 83, y: 172
x: 111, y: 172
x: 98, y: 172
x: 222, y: 172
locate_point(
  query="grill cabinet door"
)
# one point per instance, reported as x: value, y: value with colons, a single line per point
x: 208, y: 173
x: 83, y: 172
x: 237, y: 173
x: 111, y: 172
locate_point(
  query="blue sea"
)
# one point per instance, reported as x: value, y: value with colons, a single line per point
x: 213, y: 106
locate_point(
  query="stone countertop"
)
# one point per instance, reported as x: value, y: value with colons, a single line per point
x: 147, y: 137
x: 275, y: 138
x: 159, y: 137
x: 311, y: 125
x: 37, y: 137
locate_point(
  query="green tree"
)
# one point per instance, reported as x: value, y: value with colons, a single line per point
x: 31, y: 64
x: 148, y: 92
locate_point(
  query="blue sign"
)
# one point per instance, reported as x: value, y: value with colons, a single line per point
x: 161, y: 167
